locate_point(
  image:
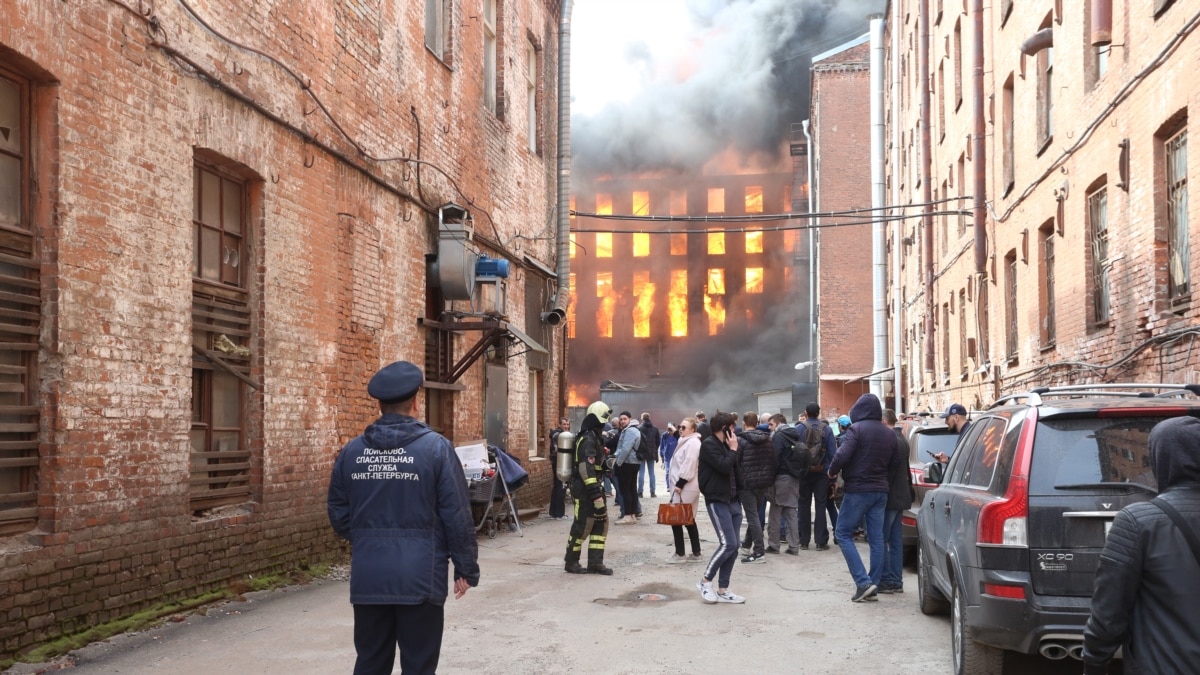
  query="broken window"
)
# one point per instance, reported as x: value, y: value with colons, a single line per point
x: 754, y: 199
x: 716, y: 200
x: 641, y: 244
x: 678, y: 243
x: 604, y: 244
x: 716, y: 243
x: 677, y: 303
x: 754, y: 240
x: 604, y: 205
x: 754, y: 280
x: 641, y: 203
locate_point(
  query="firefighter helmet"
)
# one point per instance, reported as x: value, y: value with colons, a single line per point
x: 601, y: 410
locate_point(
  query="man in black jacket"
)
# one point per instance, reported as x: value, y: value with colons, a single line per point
x: 900, y: 498
x: 759, y: 467
x: 1146, y: 596
x: 651, y: 437
x: 814, y: 486
x: 785, y: 493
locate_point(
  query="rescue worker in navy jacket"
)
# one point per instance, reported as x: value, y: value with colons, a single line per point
x: 399, y: 496
x: 591, y: 512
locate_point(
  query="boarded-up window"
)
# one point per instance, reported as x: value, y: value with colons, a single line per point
x: 221, y: 337
x: 20, y: 315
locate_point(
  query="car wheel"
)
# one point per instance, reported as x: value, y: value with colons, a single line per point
x: 971, y: 657
x: 931, y: 601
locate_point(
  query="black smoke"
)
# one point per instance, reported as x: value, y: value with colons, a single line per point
x: 749, y: 83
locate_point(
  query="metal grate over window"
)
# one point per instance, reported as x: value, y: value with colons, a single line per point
x: 1178, y: 240
x: 1098, y: 218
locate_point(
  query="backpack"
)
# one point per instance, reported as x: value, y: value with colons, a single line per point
x: 640, y: 450
x: 814, y: 442
x: 795, y: 458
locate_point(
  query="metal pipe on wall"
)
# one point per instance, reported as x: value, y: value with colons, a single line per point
x: 558, y: 311
x: 814, y: 347
x: 898, y: 225
x: 878, y: 253
x: 978, y: 146
x: 926, y: 177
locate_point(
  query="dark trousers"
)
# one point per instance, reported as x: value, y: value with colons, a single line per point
x: 814, y: 487
x: 558, y: 497
x: 693, y: 534
x: 752, y: 501
x: 627, y: 484
x: 415, y: 629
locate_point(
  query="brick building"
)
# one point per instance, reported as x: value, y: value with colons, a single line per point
x: 840, y: 124
x: 217, y: 220
x: 1088, y: 251
x: 695, y: 313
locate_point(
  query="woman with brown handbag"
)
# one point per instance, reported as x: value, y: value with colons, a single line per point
x: 684, y: 465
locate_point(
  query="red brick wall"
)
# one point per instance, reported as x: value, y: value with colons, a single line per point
x: 337, y: 261
x: 1089, y: 123
x: 840, y: 114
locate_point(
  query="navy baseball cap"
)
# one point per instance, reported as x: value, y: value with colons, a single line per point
x: 954, y: 409
x: 397, y: 381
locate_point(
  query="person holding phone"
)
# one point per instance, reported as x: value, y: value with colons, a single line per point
x: 956, y: 420
x: 720, y: 480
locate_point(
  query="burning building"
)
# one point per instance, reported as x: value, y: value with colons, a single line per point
x: 697, y: 306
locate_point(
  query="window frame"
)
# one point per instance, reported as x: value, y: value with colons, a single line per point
x: 437, y: 28
x: 1177, y: 223
x: 1047, y: 329
x: 532, y: 72
x: 491, y: 49
x: 1099, y: 256
x: 21, y: 327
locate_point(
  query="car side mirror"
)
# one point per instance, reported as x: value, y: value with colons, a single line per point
x: 934, y: 472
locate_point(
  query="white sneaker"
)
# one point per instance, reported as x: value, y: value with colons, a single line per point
x: 676, y: 559
x: 695, y: 558
x: 728, y: 596
x: 707, y: 594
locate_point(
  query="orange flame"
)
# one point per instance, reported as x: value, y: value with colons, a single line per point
x: 608, y: 303
x: 641, y: 244
x: 571, y: 297
x: 754, y: 280
x: 644, y: 290
x: 754, y: 199
x: 574, y: 398
x: 714, y: 307
x: 677, y: 303
x: 754, y: 241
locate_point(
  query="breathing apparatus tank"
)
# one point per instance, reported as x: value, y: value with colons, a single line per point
x: 565, y: 465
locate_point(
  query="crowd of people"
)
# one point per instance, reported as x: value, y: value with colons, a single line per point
x: 764, y: 481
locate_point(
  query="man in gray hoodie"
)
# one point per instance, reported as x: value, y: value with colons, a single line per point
x: 1146, y: 595
x: 868, y: 449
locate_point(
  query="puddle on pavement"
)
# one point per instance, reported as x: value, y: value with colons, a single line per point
x: 648, y: 595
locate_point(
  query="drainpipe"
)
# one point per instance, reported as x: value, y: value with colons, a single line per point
x: 814, y: 277
x: 878, y: 247
x: 563, y: 269
x: 979, y: 148
x: 898, y: 225
x: 926, y: 188
x: 1101, y: 27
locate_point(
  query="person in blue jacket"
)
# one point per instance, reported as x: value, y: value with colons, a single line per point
x: 398, y: 494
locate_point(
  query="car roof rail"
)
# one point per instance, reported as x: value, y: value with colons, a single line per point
x: 1037, y: 396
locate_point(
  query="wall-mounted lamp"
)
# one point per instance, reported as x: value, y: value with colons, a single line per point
x: 1123, y: 165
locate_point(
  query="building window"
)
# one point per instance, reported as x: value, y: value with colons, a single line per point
x: 1178, y: 240
x: 678, y: 243
x: 489, y: 54
x: 603, y: 204
x: 1046, y: 295
x: 754, y: 199
x: 941, y: 101
x: 437, y: 27
x: 962, y: 332
x: 945, y: 328
x: 1010, y: 305
x: 641, y: 203
x: 983, y: 321
x: 1009, y: 164
x: 604, y: 244
x: 641, y: 244
x: 678, y: 202
x: 754, y: 240
x: 716, y: 200
x: 531, y: 80
x: 535, y: 389
x: 754, y: 280
x: 608, y: 304
x: 221, y: 338
x: 716, y: 243
x: 20, y: 313
x: 962, y: 189
x: 1045, y: 94
x: 643, y: 309
x: 958, y: 56
x: 1100, y: 264
x: 677, y: 303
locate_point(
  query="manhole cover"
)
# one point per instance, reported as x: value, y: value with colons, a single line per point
x: 651, y: 597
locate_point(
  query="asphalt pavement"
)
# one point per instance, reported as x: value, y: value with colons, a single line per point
x: 528, y: 616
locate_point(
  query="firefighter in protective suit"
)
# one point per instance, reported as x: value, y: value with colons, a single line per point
x: 587, y: 490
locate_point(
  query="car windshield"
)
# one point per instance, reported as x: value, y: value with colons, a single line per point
x: 1074, y: 454
x: 925, y: 445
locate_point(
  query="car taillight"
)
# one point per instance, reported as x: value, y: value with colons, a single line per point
x: 1000, y: 591
x: 908, y: 521
x: 1003, y: 522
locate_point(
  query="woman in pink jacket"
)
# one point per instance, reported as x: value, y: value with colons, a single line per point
x: 684, y: 465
